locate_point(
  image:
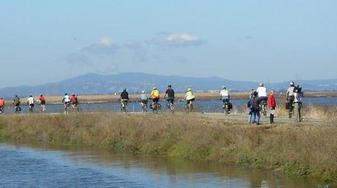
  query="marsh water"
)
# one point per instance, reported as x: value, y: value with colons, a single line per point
x: 23, y: 166
x: 200, y: 105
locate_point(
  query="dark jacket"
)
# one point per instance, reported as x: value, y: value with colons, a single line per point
x: 125, y: 95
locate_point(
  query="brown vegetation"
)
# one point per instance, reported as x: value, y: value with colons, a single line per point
x: 295, y: 149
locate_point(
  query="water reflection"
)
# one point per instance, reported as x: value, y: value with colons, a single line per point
x: 27, y: 167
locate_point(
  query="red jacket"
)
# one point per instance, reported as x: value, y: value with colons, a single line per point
x: 271, y: 101
x: 2, y: 102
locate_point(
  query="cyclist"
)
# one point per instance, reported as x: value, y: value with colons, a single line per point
x: 124, y: 100
x: 225, y: 97
x: 155, y: 96
x: 16, y: 103
x: 271, y: 105
x: 262, y: 98
x: 290, y: 98
x: 74, y: 102
x: 42, y: 100
x: 66, y: 102
x: 31, y: 103
x: 169, y: 95
x: 189, y: 97
x: 2, y: 105
x: 143, y: 101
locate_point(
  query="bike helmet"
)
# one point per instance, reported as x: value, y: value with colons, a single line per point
x: 189, y: 89
x: 261, y: 84
x: 292, y: 83
x: 66, y: 94
x: 169, y: 86
x: 224, y: 87
x: 154, y: 88
x: 143, y: 91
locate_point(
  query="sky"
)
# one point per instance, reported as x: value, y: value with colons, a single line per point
x: 252, y: 40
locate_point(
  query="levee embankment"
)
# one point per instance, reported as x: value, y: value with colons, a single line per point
x: 293, y: 149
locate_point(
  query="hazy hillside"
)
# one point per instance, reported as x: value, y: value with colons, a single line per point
x: 135, y: 82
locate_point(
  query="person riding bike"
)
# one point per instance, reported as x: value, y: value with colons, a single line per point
x: 143, y: 101
x: 31, y: 103
x: 225, y: 97
x: 66, y: 102
x: 74, y: 102
x: 169, y: 95
x: 124, y: 100
x: 42, y: 100
x: 262, y: 98
x: 155, y: 96
x: 16, y: 103
x: 290, y: 97
x: 189, y: 97
x: 2, y: 105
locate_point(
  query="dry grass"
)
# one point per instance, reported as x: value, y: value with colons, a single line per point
x: 304, y: 150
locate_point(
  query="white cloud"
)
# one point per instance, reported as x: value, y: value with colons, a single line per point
x: 177, y: 39
x: 105, y: 41
x: 104, y: 46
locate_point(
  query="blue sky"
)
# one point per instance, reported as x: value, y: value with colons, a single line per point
x: 253, y: 40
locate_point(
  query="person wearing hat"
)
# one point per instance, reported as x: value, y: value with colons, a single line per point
x: 189, y: 97
x: 155, y: 95
x: 66, y: 102
x: 16, y: 103
x: 290, y: 97
x: 143, y: 101
x: 31, y: 103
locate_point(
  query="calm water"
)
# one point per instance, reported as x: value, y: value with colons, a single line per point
x: 201, y: 105
x: 28, y: 167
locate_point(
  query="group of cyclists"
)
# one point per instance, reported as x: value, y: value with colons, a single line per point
x: 154, y: 97
x: 259, y: 102
x: 41, y: 100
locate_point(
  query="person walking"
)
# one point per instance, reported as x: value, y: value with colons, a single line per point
x: 253, y: 105
x: 271, y: 105
x: 2, y: 105
x: 298, y: 95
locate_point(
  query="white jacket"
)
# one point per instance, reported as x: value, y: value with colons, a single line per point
x: 189, y: 95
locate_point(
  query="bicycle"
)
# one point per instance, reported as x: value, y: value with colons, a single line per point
x: 155, y: 106
x: 263, y: 107
x: 143, y: 104
x: 124, y: 105
x: 227, y: 106
x: 170, y: 105
x: 189, y: 106
x: 66, y: 107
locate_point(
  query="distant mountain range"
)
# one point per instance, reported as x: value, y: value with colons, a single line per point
x: 135, y: 82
